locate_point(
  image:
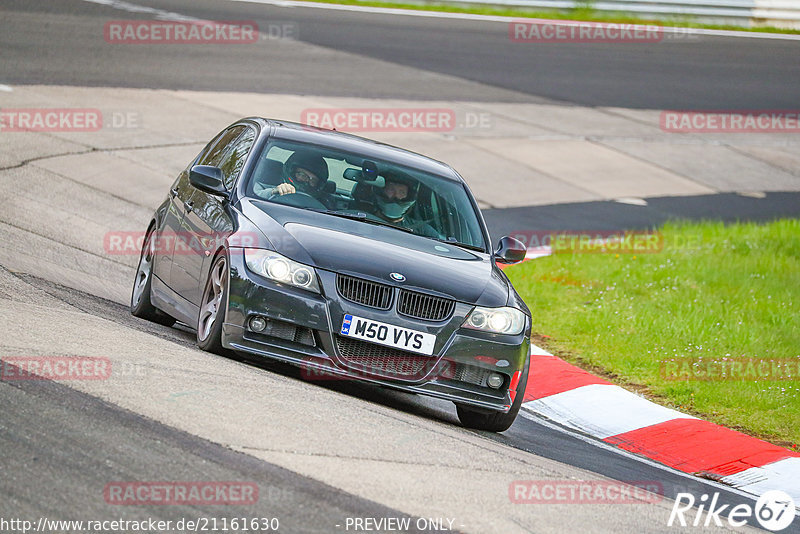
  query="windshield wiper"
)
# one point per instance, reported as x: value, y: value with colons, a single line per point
x: 361, y: 216
x: 357, y: 216
x: 453, y: 241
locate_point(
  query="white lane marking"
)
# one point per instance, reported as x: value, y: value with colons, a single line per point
x: 631, y: 456
x: 538, y: 351
x: 602, y: 410
x: 493, y: 18
x: 6, y: 88
x: 538, y: 252
x: 159, y: 14
x: 783, y: 475
x: 633, y: 201
x: 381, y: 10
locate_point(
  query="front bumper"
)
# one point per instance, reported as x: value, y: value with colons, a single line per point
x: 304, y: 330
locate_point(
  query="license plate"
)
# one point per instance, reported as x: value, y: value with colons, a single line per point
x: 388, y: 334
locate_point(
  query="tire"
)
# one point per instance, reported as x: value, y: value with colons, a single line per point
x: 141, y: 305
x: 212, y: 307
x: 495, y: 421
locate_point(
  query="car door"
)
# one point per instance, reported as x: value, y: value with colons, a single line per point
x: 179, y: 196
x: 206, y: 222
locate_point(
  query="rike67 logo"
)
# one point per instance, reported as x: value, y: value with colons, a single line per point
x: 774, y: 510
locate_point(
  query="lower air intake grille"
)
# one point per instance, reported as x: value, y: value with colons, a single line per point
x: 471, y: 374
x: 386, y: 362
x: 422, y: 306
x: 364, y: 292
x: 287, y: 332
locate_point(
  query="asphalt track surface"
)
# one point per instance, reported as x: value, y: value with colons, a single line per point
x: 79, y: 444
x: 611, y: 215
x: 56, y: 466
x: 704, y: 72
x: 59, y: 443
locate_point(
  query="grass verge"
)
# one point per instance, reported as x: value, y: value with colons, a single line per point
x: 714, y: 293
x: 584, y: 13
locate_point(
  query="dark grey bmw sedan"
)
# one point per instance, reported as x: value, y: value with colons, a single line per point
x: 349, y: 258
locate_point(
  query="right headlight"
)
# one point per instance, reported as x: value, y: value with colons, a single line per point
x: 497, y: 320
x: 272, y: 265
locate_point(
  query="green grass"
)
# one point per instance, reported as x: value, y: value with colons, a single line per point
x: 714, y: 291
x: 582, y: 13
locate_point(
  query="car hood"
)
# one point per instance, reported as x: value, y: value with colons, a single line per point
x: 374, y: 252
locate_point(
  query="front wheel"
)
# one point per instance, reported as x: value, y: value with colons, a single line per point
x: 141, y: 306
x: 495, y: 421
x: 212, y: 309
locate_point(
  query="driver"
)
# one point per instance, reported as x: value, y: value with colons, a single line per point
x: 303, y: 172
x: 394, y: 201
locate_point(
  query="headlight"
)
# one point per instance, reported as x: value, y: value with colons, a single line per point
x: 497, y: 320
x: 272, y: 265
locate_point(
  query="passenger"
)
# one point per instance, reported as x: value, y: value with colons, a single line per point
x: 394, y: 201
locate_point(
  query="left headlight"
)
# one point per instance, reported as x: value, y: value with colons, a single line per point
x: 272, y: 265
x: 497, y: 320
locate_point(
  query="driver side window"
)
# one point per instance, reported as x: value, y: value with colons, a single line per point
x: 234, y: 157
x: 229, y: 152
x: 214, y: 156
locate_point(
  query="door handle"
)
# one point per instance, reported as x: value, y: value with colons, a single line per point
x: 189, y: 206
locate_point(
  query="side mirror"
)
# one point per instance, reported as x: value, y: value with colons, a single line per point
x: 510, y: 250
x: 209, y: 179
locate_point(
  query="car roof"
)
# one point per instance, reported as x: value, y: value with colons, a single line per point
x: 293, y: 131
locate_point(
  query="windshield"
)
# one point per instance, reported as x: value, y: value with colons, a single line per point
x: 371, y: 191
